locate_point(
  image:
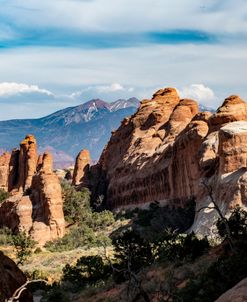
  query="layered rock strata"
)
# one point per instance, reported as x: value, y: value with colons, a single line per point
x: 35, y: 204
x: 170, y: 152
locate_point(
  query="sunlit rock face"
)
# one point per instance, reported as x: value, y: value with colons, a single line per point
x: 170, y: 152
x: 81, y: 169
x: 35, y: 204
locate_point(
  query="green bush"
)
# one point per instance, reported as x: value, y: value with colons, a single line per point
x: 87, y: 228
x: 175, y: 246
x: 222, y: 275
x: 88, y: 271
x: 228, y: 270
x: 23, y: 246
x: 3, y: 195
x: 101, y: 220
x: 237, y: 224
x: 132, y: 251
x: 56, y: 294
x: 152, y: 222
x: 79, y: 236
x: 6, y: 236
x: 76, y: 203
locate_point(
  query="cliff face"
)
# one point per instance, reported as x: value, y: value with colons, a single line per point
x: 11, y: 278
x: 170, y: 152
x: 35, y: 204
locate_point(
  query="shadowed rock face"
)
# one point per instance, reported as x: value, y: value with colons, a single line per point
x: 35, y: 204
x: 168, y: 149
x: 237, y: 294
x: 11, y: 278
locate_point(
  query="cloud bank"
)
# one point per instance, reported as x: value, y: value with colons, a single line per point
x: 10, y: 89
x: 69, y: 51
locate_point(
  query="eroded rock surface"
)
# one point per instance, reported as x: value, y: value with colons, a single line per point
x: 35, y: 204
x: 170, y: 152
x: 80, y: 174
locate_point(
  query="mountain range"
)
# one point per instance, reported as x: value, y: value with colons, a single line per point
x: 69, y: 130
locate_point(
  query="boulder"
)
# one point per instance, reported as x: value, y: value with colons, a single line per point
x: 236, y: 294
x: 11, y: 278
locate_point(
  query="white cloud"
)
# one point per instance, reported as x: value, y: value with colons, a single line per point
x: 102, y: 90
x: 11, y: 88
x: 110, y: 88
x: 216, y: 16
x: 199, y: 92
x: 64, y: 70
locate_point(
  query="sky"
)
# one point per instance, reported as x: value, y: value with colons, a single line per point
x: 60, y: 53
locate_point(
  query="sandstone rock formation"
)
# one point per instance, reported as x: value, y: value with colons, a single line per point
x: 170, y: 152
x: 80, y: 175
x: 27, y: 162
x: 11, y: 278
x: 35, y: 204
x: 236, y: 294
x: 4, y: 170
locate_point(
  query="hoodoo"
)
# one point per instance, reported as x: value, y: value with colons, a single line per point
x: 35, y: 204
x: 80, y: 175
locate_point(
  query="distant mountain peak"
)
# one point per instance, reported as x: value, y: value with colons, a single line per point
x: 95, y: 103
x: 122, y: 104
x: 67, y: 131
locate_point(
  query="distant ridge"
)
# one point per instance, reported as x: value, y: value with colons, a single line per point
x: 67, y: 131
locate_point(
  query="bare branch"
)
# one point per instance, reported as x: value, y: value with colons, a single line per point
x: 16, y: 295
x: 222, y: 217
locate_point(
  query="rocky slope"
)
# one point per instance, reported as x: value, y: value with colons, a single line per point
x: 170, y: 152
x: 35, y: 204
x: 66, y: 132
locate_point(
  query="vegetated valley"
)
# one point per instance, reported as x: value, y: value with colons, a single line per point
x: 160, y: 217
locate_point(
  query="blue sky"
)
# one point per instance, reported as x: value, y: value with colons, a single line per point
x: 60, y: 53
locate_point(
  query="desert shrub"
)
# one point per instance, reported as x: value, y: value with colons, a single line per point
x: 79, y: 236
x: 101, y: 220
x: 76, y: 203
x: 87, y: 271
x: 237, y: 224
x: 131, y: 250
x: 227, y: 271
x: 38, y: 250
x: 175, y: 246
x: 77, y: 208
x: 87, y: 228
x: 6, y: 236
x: 222, y: 275
x: 126, y: 214
x: 56, y: 294
x: 152, y: 222
x: 23, y: 246
x: 3, y: 195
